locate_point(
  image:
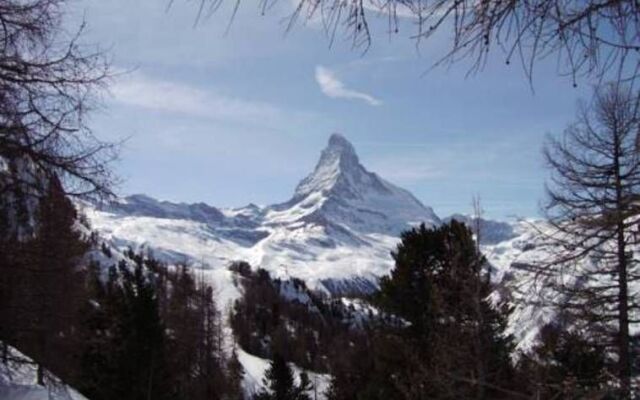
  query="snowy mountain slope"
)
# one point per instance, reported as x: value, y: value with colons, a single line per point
x: 255, y: 368
x: 18, y: 382
x: 532, y: 293
x: 508, y: 259
x: 492, y: 232
x: 335, y: 232
x: 341, y: 191
x: 21, y: 183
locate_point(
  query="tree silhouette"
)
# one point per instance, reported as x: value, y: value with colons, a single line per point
x: 592, y: 207
x: 280, y: 384
x: 591, y: 38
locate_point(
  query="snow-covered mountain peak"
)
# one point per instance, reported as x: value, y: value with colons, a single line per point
x: 338, y: 166
x: 338, y: 142
x: 341, y: 192
x: 340, y: 150
x: 335, y: 232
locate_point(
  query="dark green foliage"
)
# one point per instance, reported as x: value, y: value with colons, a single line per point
x: 436, y: 270
x: 137, y: 330
x: 279, y: 380
x: 154, y: 333
x: 42, y: 284
x: 141, y: 330
x: 126, y: 359
x: 441, y: 338
x: 438, y: 337
x: 142, y: 338
x: 235, y: 373
x: 370, y: 366
x: 566, y: 365
x: 280, y: 383
x: 265, y: 323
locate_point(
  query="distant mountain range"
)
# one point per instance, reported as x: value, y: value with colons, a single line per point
x: 336, y: 233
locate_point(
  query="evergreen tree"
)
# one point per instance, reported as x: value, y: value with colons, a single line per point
x: 372, y: 366
x: 97, y: 364
x: 143, y: 338
x: 438, y: 286
x: 280, y: 384
x: 566, y: 365
x: 154, y: 332
x: 126, y: 358
x: 47, y: 285
x: 235, y: 374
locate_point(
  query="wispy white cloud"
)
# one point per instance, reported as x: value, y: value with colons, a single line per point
x: 331, y: 86
x: 181, y: 99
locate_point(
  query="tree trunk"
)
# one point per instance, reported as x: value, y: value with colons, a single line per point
x: 40, y: 375
x: 480, y: 342
x: 624, y: 372
x: 624, y: 366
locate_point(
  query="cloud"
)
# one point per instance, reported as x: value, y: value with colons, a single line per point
x: 177, y: 98
x: 331, y: 86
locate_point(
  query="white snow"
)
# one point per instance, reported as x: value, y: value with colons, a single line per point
x: 18, y: 381
x: 256, y: 367
x: 335, y: 233
x: 340, y: 225
x: 526, y: 290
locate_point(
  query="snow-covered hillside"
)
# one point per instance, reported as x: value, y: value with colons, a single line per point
x: 335, y: 232
x: 18, y: 381
x: 516, y: 263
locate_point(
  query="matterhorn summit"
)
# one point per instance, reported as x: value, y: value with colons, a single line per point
x: 341, y: 192
x: 338, y: 168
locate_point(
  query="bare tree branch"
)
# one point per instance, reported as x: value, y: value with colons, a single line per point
x: 593, y: 38
x: 49, y: 82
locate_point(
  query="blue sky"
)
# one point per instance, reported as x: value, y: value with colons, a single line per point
x: 238, y: 117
